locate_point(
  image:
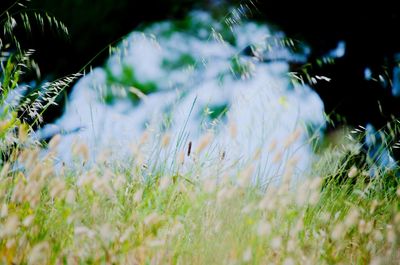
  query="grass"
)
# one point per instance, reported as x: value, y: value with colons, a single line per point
x: 109, y: 213
x: 186, y: 212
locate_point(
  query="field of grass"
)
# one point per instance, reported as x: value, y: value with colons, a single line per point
x: 127, y: 213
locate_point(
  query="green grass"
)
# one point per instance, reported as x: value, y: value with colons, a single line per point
x: 108, y: 213
x: 129, y: 212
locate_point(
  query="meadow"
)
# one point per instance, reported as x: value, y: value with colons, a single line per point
x: 128, y: 213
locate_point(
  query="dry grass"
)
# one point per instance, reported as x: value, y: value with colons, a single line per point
x: 122, y: 212
x: 133, y: 212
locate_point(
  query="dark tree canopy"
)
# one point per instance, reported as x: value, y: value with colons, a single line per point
x: 370, y: 32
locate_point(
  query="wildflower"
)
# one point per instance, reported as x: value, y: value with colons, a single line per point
x: 233, y: 130
x: 38, y: 254
x: 137, y: 197
x: 293, y: 161
x: 10, y: 243
x: 287, y: 176
x: 57, y: 186
x: 164, y: 183
x: 180, y: 158
x: 178, y: 226
x: 365, y: 227
x: 83, y: 230
x: 102, y: 185
x: 390, y: 234
x: 87, y: 179
x: 144, y: 138
x: 248, y: 208
x: 314, y: 197
x: 125, y: 236
x: 10, y: 226
x: 182, y: 188
x: 165, y: 140
x: 204, y: 142
x: 103, y: 157
x: 28, y: 220
x: 81, y: 150
x: 316, y: 183
x: 352, y: 217
x: 269, y: 201
x: 151, y: 219
x: 153, y: 243
x: 298, y: 227
x: 278, y: 157
x: 36, y: 172
x: 276, y: 243
x: 338, y: 231
x: 264, y: 228
x: 325, y: 217
x: 353, y: 172
x: 245, y: 177
x: 376, y: 261
x: 288, y: 261
x: 118, y: 181
x: 217, y: 226
x: 247, y: 255
x: 291, y: 245
x: 107, y: 233
x: 70, y: 197
x: 225, y: 193
x: 292, y: 138
x: 272, y: 146
x: 4, y: 210
x: 374, y: 205
x: 257, y: 154
x: 301, y: 194
x: 210, y: 185
x: 378, y: 236
x: 54, y: 142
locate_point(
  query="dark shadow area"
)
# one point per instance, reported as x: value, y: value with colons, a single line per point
x: 369, y: 31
